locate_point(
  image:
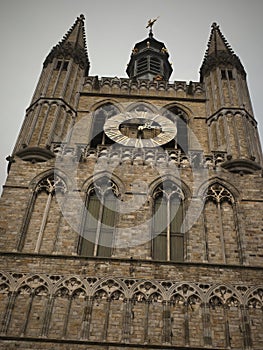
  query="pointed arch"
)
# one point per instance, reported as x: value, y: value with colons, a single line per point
x: 42, y: 204
x: 220, y: 223
x: 99, y: 217
x: 141, y: 106
x: 100, y: 115
x: 181, y: 119
x: 167, y: 221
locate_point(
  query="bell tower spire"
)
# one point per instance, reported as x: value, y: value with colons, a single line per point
x: 52, y: 111
x: 232, y: 127
x: 72, y: 45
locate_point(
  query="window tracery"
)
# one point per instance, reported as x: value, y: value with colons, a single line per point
x: 168, y: 239
x: 221, y: 230
x: 99, y: 219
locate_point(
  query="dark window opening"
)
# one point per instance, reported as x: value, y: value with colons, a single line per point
x: 98, y: 137
x: 182, y: 137
x: 230, y: 75
x: 181, y: 140
x: 223, y: 74
x: 62, y: 65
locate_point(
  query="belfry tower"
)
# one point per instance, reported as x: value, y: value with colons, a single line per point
x: 131, y: 216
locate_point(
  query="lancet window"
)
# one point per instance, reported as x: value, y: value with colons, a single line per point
x: 43, y: 216
x: 180, y: 120
x: 168, y: 237
x: 221, y: 227
x: 98, y: 137
x: 99, y: 219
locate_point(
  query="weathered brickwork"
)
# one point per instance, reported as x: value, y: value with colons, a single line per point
x: 201, y: 286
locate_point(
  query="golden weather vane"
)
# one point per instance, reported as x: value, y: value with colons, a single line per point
x: 151, y: 23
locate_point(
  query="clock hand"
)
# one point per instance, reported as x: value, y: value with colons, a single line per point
x: 146, y: 125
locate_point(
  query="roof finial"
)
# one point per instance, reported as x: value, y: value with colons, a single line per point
x: 150, y: 25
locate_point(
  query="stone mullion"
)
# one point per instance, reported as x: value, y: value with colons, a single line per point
x: 222, y: 238
x: 69, y: 134
x: 222, y: 100
x: 79, y: 238
x: 249, y: 137
x: 167, y: 322
x: 47, y: 316
x: 205, y: 235
x: 206, y: 324
x: 146, y: 321
x: 58, y: 229
x: 53, y: 125
x: 41, y: 84
x: 236, y: 135
x: 66, y: 80
x: 53, y: 92
x: 127, y: 321
x: 227, y: 135
x: 107, y: 315
x: 26, y: 220
x: 238, y: 234
x: 55, y: 245
x: 21, y: 139
x: 63, y: 124
x: 213, y: 91
x: 33, y: 123
x: 71, y: 92
x: 98, y: 231
x: 238, y: 84
x: 43, y: 124
x: 86, y: 320
x: 210, y: 136
x: 168, y: 229
x: 186, y: 324
x: 246, y: 329
x: 48, y: 78
x: 230, y: 91
x: 43, y: 223
x: 65, y: 326
x: 8, y: 312
x: 227, y: 330
x: 218, y: 137
x: 28, y: 311
x: 78, y: 90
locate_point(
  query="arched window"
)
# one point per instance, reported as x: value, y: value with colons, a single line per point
x: 43, y: 217
x: 168, y: 238
x: 99, y: 219
x: 220, y: 226
x: 98, y: 137
x: 181, y: 139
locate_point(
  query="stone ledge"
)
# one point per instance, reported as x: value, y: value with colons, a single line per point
x: 100, y: 344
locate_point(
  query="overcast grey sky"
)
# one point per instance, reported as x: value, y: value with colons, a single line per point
x: 30, y: 28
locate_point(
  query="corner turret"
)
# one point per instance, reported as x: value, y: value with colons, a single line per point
x: 231, y: 125
x: 52, y: 111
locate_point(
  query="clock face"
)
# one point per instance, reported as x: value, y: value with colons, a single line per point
x: 140, y: 129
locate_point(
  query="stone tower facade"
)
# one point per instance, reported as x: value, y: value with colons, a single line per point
x: 131, y: 216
